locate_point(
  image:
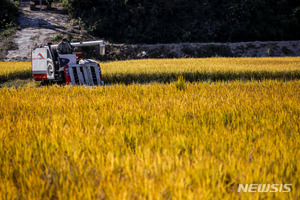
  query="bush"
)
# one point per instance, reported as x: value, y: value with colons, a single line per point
x: 160, y: 21
x: 8, y: 13
x: 57, y: 37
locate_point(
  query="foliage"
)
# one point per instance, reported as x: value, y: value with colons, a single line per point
x: 180, y: 84
x: 153, y: 141
x: 165, y: 21
x: 149, y: 141
x: 8, y: 13
x: 212, y: 69
x: 6, y: 40
x: 58, y: 37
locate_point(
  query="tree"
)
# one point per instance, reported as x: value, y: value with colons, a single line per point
x: 8, y: 13
x: 167, y: 21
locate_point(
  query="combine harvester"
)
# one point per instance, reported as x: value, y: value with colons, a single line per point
x: 50, y: 67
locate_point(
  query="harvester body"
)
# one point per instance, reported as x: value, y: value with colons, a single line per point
x: 49, y: 66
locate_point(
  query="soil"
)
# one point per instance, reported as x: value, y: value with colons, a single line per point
x: 40, y: 26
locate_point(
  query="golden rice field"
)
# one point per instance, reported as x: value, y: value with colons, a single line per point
x: 177, y: 140
x: 168, y: 70
x: 14, y: 70
x: 212, y: 69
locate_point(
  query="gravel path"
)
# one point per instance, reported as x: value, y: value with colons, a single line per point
x: 36, y: 27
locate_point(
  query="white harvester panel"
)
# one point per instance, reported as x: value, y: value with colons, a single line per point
x: 67, y: 59
x: 87, y: 72
x: 39, y: 62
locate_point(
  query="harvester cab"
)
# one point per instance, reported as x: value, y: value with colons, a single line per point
x: 73, y: 69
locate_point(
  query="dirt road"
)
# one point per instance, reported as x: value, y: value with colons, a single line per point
x: 36, y: 27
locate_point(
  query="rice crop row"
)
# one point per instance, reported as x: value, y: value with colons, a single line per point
x: 168, y: 70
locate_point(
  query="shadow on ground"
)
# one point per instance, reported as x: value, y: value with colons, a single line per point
x: 28, y: 22
x: 22, y: 75
x: 199, y: 76
x: 144, y: 78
